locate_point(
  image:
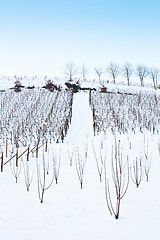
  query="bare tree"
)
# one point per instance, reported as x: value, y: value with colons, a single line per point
x: 100, y: 160
x: 137, y: 171
x: 114, y: 70
x: 27, y: 176
x: 147, y: 160
x: 99, y: 72
x: 84, y: 72
x: 120, y: 176
x: 127, y: 71
x: 80, y: 164
x: 142, y: 72
x: 56, y: 164
x: 70, y: 70
x: 154, y: 74
x: 70, y: 155
x: 15, y: 168
x: 41, y: 178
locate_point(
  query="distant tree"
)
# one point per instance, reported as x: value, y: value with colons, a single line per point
x: 114, y: 70
x: 127, y: 70
x: 70, y: 70
x: 154, y: 74
x: 49, y: 84
x: 142, y: 72
x: 99, y: 71
x: 84, y: 72
x: 17, y: 85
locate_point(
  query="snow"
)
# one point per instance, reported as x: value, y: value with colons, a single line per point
x: 69, y: 212
x: 82, y: 123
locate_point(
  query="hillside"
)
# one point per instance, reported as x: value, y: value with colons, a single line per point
x: 78, y: 161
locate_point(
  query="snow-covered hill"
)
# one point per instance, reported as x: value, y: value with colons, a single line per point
x: 69, y: 212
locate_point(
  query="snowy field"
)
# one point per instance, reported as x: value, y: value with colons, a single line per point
x: 69, y: 212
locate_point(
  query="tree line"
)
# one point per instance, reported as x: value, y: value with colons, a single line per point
x: 114, y: 70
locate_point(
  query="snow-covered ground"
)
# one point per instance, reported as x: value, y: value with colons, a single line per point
x: 39, y: 81
x: 69, y: 212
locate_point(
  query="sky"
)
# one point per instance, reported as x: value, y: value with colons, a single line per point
x: 39, y: 37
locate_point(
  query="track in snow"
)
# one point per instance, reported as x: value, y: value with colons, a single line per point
x: 82, y: 122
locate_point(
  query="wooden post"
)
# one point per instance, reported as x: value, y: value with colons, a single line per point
x: 6, y: 148
x: 2, y: 162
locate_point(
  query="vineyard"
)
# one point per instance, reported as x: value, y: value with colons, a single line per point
x: 126, y: 113
x: 85, y: 156
x: 130, y: 125
x: 32, y: 116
